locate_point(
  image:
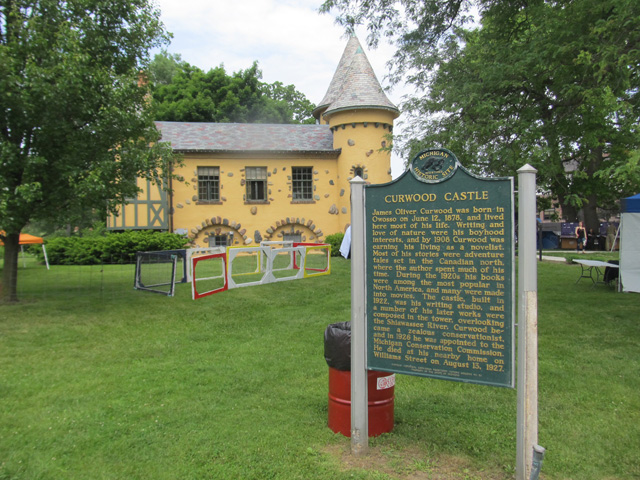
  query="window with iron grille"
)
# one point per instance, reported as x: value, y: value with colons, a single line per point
x: 209, y: 184
x: 292, y: 237
x: 302, y: 183
x: 220, y: 240
x: 256, y: 178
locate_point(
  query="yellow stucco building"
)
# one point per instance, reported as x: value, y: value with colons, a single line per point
x: 246, y: 183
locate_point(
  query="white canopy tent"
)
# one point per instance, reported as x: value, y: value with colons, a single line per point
x: 630, y: 244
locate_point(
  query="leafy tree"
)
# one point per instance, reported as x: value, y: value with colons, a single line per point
x: 191, y: 95
x: 293, y: 104
x: 553, y: 84
x: 75, y: 126
x: 164, y: 67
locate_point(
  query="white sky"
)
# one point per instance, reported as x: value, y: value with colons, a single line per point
x: 291, y: 41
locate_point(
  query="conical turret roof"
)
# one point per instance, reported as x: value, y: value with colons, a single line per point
x: 354, y: 85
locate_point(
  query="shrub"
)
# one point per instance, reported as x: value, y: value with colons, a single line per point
x: 335, y: 240
x: 112, y: 248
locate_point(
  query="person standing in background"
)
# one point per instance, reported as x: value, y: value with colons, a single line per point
x: 581, y: 237
x: 611, y: 236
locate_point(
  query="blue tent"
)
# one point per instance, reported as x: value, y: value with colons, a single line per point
x: 550, y: 241
x: 630, y: 204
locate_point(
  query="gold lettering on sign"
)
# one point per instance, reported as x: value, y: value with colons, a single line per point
x: 440, y: 281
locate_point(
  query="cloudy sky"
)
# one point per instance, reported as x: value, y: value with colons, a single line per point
x: 291, y: 41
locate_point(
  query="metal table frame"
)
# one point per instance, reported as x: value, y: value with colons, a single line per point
x: 591, y: 267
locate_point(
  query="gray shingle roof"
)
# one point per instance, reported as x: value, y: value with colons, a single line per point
x: 338, y: 77
x: 354, y: 85
x: 245, y: 137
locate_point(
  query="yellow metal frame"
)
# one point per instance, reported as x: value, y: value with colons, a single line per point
x: 327, y: 271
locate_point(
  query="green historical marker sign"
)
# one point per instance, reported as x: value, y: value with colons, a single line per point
x: 440, y: 273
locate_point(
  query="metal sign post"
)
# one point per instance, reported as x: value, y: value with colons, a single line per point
x: 359, y: 394
x: 527, y: 411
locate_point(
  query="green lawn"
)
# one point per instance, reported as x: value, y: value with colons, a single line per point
x: 100, y: 381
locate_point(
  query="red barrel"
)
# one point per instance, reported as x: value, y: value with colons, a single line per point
x: 380, y: 387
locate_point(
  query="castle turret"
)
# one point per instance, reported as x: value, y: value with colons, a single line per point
x: 361, y: 118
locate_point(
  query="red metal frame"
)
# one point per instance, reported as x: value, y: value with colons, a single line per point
x: 296, y: 267
x: 194, y: 262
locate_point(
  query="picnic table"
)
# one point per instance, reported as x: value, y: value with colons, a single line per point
x: 592, y: 269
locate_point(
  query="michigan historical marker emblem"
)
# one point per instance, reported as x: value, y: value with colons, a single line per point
x: 434, y: 165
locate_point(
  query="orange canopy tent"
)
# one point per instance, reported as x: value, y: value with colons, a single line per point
x: 26, y: 239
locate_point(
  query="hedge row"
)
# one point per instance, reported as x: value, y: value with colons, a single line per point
x: 116, y: 248
x: 121, y: 248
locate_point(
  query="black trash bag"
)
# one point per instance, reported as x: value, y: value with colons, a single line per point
x: 337, y: 345
x: 611, y: 274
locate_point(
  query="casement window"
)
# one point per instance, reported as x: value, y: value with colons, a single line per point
x: 209, y: 184
x: 256, y: 178
x: 302, y: 183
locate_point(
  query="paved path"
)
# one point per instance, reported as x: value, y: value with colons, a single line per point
x: 552, y: 258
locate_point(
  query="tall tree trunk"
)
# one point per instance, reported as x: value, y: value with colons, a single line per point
x: 590, y: 209
x: 9, y: 287
x: 569, y: 212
